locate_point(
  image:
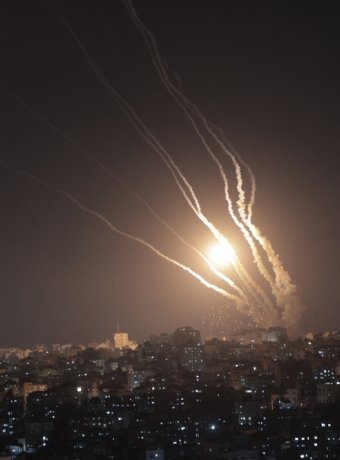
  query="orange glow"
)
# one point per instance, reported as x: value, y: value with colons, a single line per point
x: 222, y: 254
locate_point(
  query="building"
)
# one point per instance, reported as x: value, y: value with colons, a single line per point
x: 247, y: 411
x: 191, y: 357
x: 120, y: 340
x: 30, y: 387
x: 327, y: 393
x: 259, y: 336
x: 184, y: 335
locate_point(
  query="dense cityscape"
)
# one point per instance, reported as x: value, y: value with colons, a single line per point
x: 254, y: 395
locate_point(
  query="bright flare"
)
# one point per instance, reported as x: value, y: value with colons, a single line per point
x: 222, y: 254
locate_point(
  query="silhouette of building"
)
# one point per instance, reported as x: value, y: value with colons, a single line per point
x: 184, y: 335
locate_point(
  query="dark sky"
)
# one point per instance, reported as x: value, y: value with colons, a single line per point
x: 267, y: 72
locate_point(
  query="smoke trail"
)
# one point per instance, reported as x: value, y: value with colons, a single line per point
x: 286, y: 293
x: 135, y: 120
x: 236, y: 158
x: 289, y: 299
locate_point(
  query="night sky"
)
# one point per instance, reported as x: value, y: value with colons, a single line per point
x: 267, y: 72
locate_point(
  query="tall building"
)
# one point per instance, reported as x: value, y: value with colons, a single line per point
x: 259, y: 335
x: 276, y: 334
x: 191, y: 357
x: 120, y: 340
x: 185, y: 335
x: 327, y: 393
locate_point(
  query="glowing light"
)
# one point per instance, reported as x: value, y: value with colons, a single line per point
x: 222, y: 254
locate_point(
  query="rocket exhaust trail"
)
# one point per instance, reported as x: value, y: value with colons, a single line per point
x: 283, y: 289
x: 227, y: 146
x: 116, y: 230
x: 240, y: 160
x: 136, y: 121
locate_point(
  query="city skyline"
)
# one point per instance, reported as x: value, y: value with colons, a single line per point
x: 123, y: 343
x: 268, y: 77
x: 260, y: 397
